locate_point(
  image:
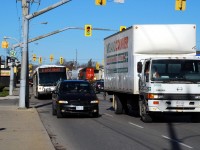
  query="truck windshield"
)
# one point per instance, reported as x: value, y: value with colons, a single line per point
x: 175, y: 70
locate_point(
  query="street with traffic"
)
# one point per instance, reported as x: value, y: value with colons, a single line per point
x: 125, y: 75
x: 36, y: 128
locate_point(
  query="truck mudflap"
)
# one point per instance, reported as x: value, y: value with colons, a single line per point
x: 173, y: 106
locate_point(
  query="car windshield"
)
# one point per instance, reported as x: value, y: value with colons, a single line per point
x: 76, y: 87
x: 175, y: 70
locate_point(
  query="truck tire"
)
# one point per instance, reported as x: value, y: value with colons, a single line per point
x: 195, y: 117
x: 145, y: 117
x: 118, y: 105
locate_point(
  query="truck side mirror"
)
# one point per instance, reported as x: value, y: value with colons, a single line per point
x: 139, y: 67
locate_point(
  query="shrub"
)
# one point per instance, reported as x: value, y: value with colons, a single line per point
x: 4, y: 92
x: 1, y: 87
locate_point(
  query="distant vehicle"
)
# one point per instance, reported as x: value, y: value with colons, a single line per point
x: 87, y: 74
x: 45, y: 78
x: 74, y: 97
x: 99, y: 86
x: 73, y: 74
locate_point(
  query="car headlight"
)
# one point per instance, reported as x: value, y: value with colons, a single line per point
x: 94, y: 102
x: 62, y: 102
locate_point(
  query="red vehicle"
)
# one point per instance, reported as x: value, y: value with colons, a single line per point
x: 86, y: 73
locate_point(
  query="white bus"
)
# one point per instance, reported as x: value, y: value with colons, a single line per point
x: 45, y: 78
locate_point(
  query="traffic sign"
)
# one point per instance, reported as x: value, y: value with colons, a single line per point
x: 12, y: 53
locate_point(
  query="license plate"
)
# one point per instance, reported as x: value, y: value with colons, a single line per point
x: 79, y: 107
x: 179, y: 103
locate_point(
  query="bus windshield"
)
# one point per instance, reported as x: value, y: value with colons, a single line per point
x: 175, y: 70
x: 51, y: 78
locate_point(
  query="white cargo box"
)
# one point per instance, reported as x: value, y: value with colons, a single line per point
x: 124, y: 49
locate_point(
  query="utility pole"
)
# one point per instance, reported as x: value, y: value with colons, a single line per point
x: 24, y: 90
x: 24, y: 87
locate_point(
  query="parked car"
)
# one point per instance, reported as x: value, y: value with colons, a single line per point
x: 99, y: 86
x: 74, y: 97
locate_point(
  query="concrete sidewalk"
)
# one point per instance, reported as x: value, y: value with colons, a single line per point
x: 21, y: 129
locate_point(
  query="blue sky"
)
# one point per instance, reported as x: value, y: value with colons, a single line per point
x: 77, y: 13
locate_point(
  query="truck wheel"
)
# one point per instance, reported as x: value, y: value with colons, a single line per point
x: 118, y: 105
x: 143, y: 113
x: 195, y: 117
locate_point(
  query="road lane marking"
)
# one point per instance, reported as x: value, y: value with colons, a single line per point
x: 108, y: 115
x: 177, y: 142
x: 135, y: 125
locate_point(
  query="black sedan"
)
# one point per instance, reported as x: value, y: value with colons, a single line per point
x: 74, y: 97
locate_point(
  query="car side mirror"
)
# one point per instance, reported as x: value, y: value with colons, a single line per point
x: 139, y: 67
x: 147, y: 77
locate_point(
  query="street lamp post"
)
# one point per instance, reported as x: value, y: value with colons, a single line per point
x: 11, y: 87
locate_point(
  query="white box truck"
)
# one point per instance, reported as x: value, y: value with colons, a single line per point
x: 131, y: 59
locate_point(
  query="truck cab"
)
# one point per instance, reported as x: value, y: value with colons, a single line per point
x: 169, y: 85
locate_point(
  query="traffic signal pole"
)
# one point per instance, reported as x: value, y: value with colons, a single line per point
x: 58, y: 31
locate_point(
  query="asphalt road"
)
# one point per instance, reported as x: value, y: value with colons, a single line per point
x: 118, y: 132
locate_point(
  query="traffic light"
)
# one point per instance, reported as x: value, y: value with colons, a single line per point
x: 61, y: 60
x: 97, y: 66
x: 4, y: 44
x: 30, y: 67
x: 34, y: 57
x: 180, y: 5
x: 122, y: 28
x: 88, y: 30
x: 51, y: 58
x: 40, y: 60
x: 100, y: 2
